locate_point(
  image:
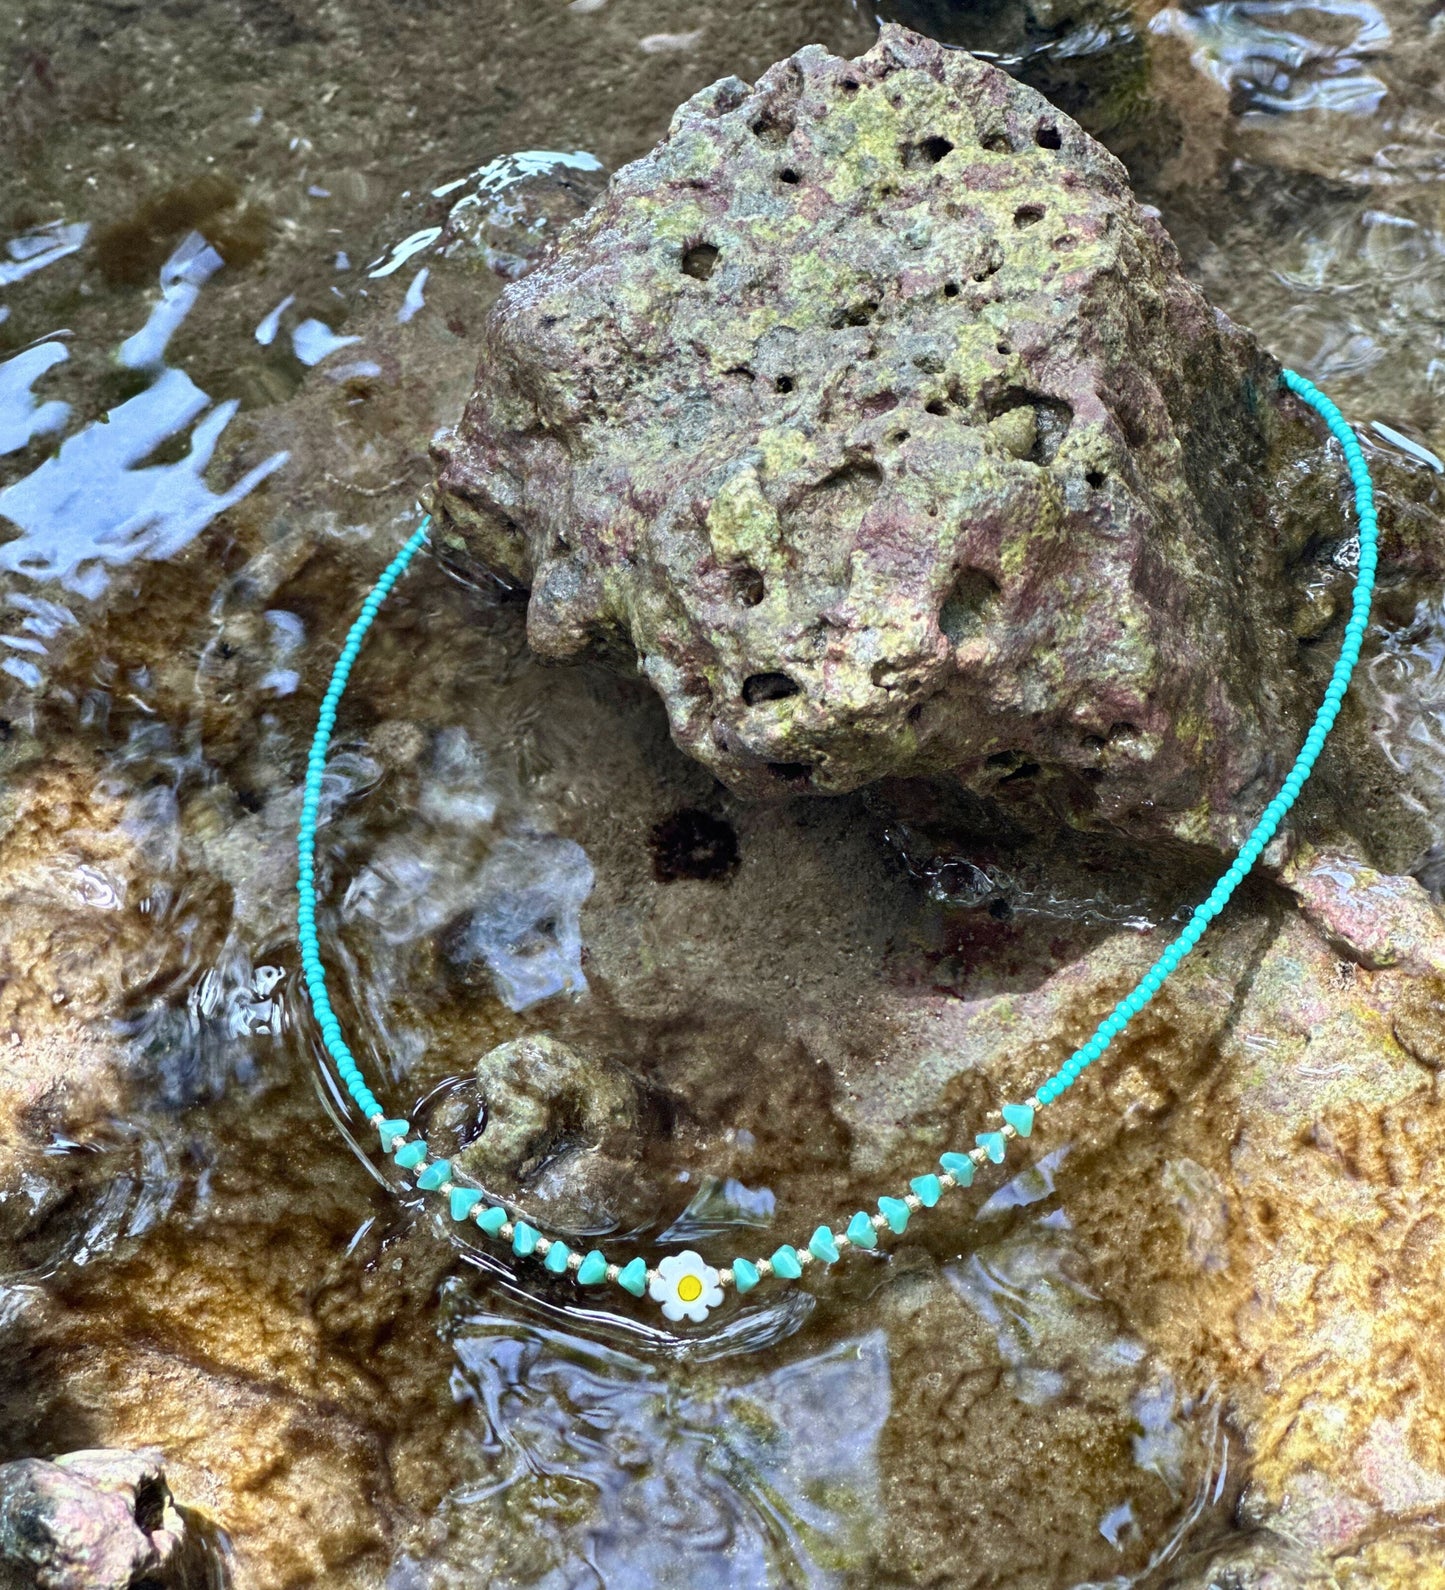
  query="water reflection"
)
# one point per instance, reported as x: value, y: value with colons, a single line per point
x: 593, y: 1466
x: 1271, y: 53
x: 97, y: 504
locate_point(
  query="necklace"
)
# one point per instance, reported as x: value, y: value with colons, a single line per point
x: 683, y: 1283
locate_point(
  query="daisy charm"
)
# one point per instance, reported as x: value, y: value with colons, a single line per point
x: 685, y: 1286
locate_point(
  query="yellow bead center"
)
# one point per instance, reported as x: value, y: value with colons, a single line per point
x: 689, y: 1289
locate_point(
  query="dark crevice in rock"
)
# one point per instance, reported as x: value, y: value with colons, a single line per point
x: 964, y: 609
x: 758, y: 688
x: 699, y: 261
x: 1052, y: 419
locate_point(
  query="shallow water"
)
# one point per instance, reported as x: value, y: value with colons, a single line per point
x: 247, y: 252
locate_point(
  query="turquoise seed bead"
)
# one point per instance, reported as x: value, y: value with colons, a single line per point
x: 745, y: 1275
x: 463, y: 1201
x: 785, y: 1263
x: 960, y: 1166
x: 823, y: 1246
x: 927, y: 1189
x: 860, y: 1231
x: 896, y: 1213
x: 491, y: 1219
x: 556, y: 1260
x: 525, y: 1239
x: 410, y: 1154
x: 633, y: 1277
x: 593, y: 1271
x: 994, y: 1144
x: 434, y: 1175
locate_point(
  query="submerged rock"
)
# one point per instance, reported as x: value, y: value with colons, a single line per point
x: 563, y: 1134
x: 876, y: 420
x: 87, y: 1521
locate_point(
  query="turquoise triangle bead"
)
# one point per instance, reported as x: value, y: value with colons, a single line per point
x: 785, y: 1263
x: 860, y: 1231
x: 388, y: 1130
x: 633, y: 1278
x: 994, y: 1144
x: 1020, y: 1117
x: 464, y: 1200
x: 927, y: 1190
x: 409, y: 1155
x: 556, y: 1260
x: 745, y: 1275
x: 434, y: 1175
x: 593, y: 1271
x: 524, y: 1239
x: 492, y: 1219
x: 823, y: 1245
x: 896, y: 1213
x: 960, y: 1166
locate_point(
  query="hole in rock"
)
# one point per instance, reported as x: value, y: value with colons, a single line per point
x: 787, y: 174
x: 769, y: 687
x: 915, y: 712
x: 1004, y: 347
x: 1095, y: 477
x: 859, y: 314
x: 950, y: 289
x: 966, y: 606
x: 1005, y: 759
x: 748, y: 586
x: 927, y: 152
x: 1025, y: 770
x: 899, y: 437
x: 936, y: 406
x: 1000, y: 910
x: 791, y: 772
x: 699, y: 261
x: 1028, y: 214
x: 1052, y: 419
x: 983, y: 274
x: 784, y: 383
x: 850, y: 85
x: 693, y: 844
x: 773, y: 128
x: 1048, y: 138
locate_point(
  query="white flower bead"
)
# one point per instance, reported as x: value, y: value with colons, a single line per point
x: 685, y: 1286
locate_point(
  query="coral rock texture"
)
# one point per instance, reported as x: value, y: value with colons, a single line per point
x: 874, y: 417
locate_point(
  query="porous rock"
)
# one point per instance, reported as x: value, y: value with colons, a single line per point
x: 86, y: 1521
x: 873, y: 417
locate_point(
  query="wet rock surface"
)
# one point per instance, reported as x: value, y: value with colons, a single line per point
x: 873, y: 415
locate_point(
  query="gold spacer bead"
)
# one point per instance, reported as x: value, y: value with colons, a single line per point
x: 543, y: 1246
x: 612, y: 1272
x: 914, y: 1202
x: 765, y: 1267
x: 725, y: 1279
x: 880, y: 1222
x: 504, y: 1231
x: 574, y: 1262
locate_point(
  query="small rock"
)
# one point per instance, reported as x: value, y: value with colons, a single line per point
x: 88, y: 1520
x: 563, y: 1133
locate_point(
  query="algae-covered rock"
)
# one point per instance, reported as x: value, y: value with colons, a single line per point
x: 563, y: 1133
x: 875, y: 419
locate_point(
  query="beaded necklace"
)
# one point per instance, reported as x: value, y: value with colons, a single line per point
x: 683, y: 1283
